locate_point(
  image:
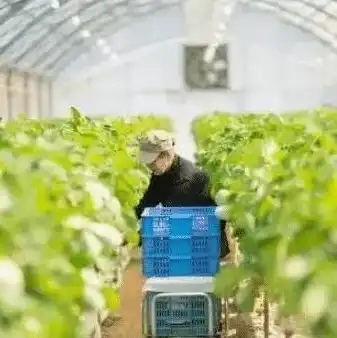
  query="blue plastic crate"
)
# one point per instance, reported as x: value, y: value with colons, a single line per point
x: 178, y: 221
x: 180, y: 266
x: 181, y: 315
x: 180, y: 241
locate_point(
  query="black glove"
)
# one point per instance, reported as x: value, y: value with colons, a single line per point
x: 125, y: 241
x: 140, y: 238
x: 96, y: 268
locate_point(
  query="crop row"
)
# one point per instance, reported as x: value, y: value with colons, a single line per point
x: 67, y: 194
x: 274, y: 178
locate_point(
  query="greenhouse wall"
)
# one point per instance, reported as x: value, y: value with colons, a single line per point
x: 24, y: 93
x: 273, y: 65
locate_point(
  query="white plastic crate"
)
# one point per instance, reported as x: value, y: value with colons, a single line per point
x: 179, y: 284
x: 180, y: 306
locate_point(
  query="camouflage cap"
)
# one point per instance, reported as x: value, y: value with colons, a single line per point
x: 153, y: 143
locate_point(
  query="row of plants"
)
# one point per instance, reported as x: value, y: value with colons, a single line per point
x: 67, y: 195
x: 274, y: 178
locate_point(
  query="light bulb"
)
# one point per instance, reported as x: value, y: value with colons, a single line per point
x: 85, y: 33
x: 76, y: 20
x: 55, y: 4
x: 100, y: 42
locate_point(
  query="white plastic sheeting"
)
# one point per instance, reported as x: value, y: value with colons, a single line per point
x: 272, y: 66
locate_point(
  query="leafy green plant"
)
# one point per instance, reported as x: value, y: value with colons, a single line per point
x: 67, y: 193
x: 274, y: 177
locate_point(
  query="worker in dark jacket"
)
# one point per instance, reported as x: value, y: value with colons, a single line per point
x: 175, y: 181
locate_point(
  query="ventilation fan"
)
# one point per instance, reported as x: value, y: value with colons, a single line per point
x: 202, y: 75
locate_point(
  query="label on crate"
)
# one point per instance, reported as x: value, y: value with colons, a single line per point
x: 200, y: 223
x: 161, y: 226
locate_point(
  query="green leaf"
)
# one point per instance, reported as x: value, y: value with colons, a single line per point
x: 228, y: 280
x: 111, y: 298
x: 67, y: 194
x: 281, y: 173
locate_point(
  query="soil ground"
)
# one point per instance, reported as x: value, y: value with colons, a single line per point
x: 241, y: 325
x: 130, y: 325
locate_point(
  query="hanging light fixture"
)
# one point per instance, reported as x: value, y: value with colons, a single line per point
x: 55, y: 4
x: 76, y: 20
x: 100, y: 42
x: 223, y: 11
x: 85, y: 33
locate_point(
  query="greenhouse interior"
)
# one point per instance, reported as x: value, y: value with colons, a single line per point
x: 243, y: 92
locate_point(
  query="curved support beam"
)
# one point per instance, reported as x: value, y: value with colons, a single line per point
x: 73, y: 37
x: 307, y: 3
x: 127, y: 57
x: 35, y: 43
x: 54, y: 28
x: 57, y: 62
x: 71, y: 54
x: 66, y: 60
x: 319, y: 9
x: 23, y: 31
x: 279, y: 9
x: 69, y: 40
x: 75, y: 50
x: 14, y: 9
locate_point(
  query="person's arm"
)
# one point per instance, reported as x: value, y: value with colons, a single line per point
x: 150, y: 199
x: 202, y: 189
x: 203, y: 186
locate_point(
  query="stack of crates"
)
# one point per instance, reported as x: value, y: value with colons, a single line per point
x: 180, y: 256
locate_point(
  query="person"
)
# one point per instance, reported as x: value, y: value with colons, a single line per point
x: 175, y: 181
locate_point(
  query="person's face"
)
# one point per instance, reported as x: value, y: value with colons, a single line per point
x: 161, y: 164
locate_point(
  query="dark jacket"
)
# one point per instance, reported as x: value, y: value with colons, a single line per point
x: 183, y: 185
